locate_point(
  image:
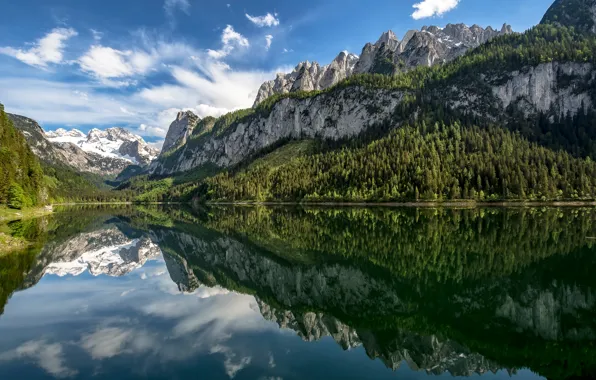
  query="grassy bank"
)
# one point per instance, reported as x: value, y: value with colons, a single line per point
x: 8, y: 214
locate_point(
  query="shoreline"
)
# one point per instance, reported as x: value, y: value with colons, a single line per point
x: 8, y: 214
x: 429, y: 204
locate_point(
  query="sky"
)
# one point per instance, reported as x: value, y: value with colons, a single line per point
x: 136, y: 63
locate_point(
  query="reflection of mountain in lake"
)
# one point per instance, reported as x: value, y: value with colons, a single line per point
x: 459, y: 291
x: 106, y: 251
x: 517, y: 290
x: 429, y: 353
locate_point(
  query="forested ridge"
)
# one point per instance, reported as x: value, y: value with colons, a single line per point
x: 21, y: 175
x: 436, y: 162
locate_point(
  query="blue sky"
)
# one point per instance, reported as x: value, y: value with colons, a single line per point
x: 135, y: 63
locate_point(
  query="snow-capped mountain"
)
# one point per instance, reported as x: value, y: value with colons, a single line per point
x: 115, y: 143
x: 106, y: 153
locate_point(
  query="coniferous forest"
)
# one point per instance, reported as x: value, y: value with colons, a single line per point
x: 21, y: 182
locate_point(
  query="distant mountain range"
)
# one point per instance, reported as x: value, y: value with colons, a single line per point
x: 103, y: 152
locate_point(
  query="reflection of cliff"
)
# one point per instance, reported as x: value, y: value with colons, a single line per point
x: 438, y: 245
x: 539, y: 311
x: 429, y: 353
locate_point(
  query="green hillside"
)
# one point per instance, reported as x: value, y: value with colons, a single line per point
x: 21, y: 175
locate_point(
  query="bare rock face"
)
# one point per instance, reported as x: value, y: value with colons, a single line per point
x: 309, y: 76
x: 429, y: 46
x: 343, y: 114
x: 542, y: 87
x: 180, y: 130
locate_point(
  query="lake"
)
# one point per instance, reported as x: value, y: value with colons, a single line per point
x: 130, y: 292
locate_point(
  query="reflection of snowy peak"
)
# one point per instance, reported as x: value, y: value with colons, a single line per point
x: 107, y: 252
x: 114, y: 143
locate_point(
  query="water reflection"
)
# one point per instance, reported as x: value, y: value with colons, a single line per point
x: 168, y: 292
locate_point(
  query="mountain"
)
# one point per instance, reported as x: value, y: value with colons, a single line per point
x: 531, y: 94
x: 309, y: 76
x: 113, y: 143
x: 179, y: 131
x: 105, y: 153
x: 21, y: 175
x: 427, y: 47
x: 580, y: 14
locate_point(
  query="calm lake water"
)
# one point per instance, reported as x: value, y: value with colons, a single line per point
x: 292, y: 293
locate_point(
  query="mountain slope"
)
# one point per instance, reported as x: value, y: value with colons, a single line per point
x: 534, y: 83
x: 580, y: 14
x: 21, y: 176
x: 423, y: 163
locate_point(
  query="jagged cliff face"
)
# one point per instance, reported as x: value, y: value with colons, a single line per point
x: 547, y: 86
x: 581, y: 14
x: 550, y: 87
x: 332, y: 116
x: 309, y: 76
x: 429, y: 46
x: 180, y: 130
x: 106, y: 152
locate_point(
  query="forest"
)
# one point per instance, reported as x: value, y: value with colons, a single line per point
x: 22, y: 181
x: 421, y: 162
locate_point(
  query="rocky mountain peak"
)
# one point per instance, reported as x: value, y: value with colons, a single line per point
x: 387, y: 37
x: 309, y: 76
x: 180, y: 130
x: 429, y: 46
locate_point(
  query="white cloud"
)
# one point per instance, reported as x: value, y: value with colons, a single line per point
x: 230, y: 39
x: 262, y: 21
x: 429, y: 8
x: 48, y: 356
x: 48, y: 49
x: 268, y: 41
x: 108, y: 63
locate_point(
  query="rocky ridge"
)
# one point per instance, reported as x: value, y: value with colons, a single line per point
x: 180, y: 130
x: 426, y: 47
x: 116, y: 143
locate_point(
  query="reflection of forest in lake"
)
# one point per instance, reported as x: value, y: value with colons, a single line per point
x: 463, y: 291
